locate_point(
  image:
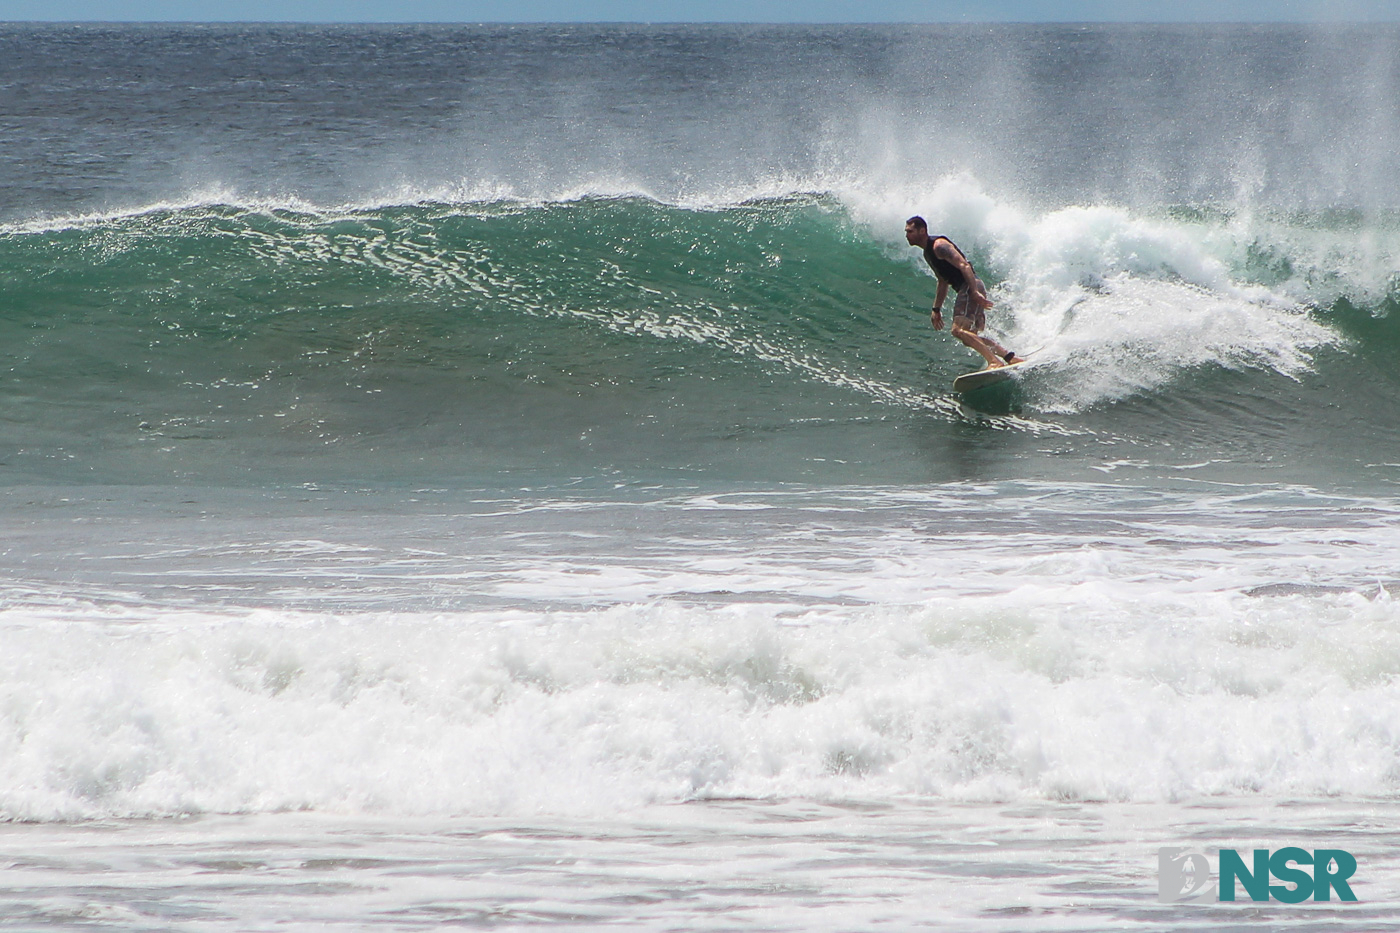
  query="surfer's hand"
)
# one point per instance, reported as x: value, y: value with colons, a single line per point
x: 937, y: 319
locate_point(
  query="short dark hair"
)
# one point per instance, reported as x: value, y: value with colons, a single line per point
x: 918, y: 222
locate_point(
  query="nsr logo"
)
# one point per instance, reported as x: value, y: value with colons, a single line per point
x: 1183, y: 875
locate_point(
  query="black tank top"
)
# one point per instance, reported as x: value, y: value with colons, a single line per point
x: 945, y: 269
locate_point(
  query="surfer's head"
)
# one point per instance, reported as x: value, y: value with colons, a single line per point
x: 916, y: 231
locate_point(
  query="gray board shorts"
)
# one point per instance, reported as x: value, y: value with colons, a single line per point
x: 963, y: 307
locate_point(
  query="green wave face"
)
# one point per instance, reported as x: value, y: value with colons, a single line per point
x: 620, y: 340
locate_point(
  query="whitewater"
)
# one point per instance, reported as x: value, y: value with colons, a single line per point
x: 505, y: 476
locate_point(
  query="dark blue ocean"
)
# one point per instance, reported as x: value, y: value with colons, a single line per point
x: 505, y: 476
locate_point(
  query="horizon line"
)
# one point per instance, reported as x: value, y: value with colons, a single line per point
x: 703, y: 22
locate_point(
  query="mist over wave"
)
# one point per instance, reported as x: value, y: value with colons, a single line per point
x: 1052, y: 115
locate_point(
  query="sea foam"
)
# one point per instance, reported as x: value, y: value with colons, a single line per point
x: 1127, y: 650
x: 1035, y: 695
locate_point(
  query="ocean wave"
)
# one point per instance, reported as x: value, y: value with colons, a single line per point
x: 1054, y: 695
x: 280, y: 324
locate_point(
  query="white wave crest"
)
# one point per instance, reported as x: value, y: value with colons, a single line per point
x: 1121, y: 303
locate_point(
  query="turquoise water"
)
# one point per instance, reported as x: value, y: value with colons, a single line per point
x: 626, y: 339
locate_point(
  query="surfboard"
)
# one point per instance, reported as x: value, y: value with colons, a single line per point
x: 987, y: 377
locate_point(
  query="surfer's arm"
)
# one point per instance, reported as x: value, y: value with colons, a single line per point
x: 979, y: 292
x: 937, y: 317
x: 975, y: 286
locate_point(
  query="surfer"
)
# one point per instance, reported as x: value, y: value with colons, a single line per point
x: 969, y: 309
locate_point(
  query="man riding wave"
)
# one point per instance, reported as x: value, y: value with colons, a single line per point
x: 969, y: 309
